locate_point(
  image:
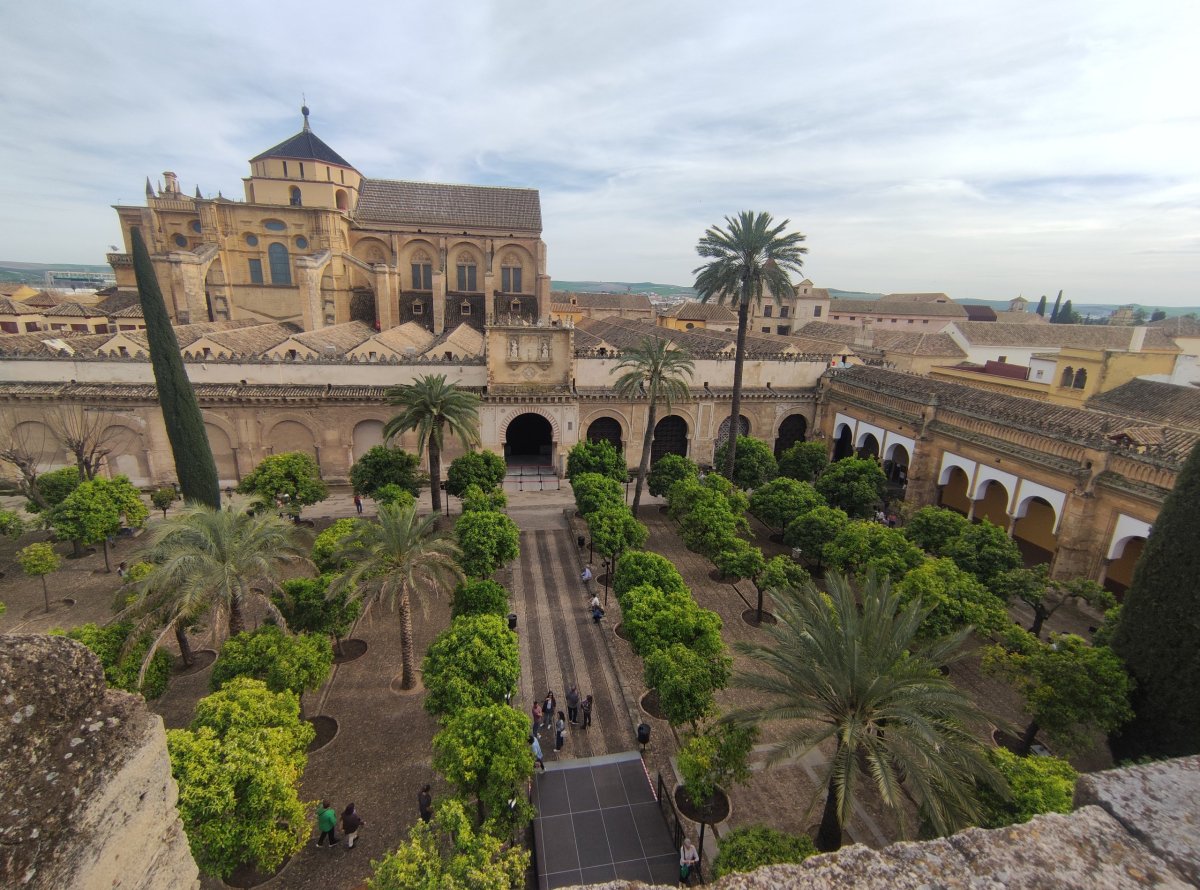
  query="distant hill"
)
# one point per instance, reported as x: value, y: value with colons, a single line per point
x: 624, y: 287
x: 12, y: 272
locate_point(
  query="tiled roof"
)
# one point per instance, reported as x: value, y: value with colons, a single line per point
x: 405, y: 336
x: 1019, y: 318
x: 73, y: 310
x: 896, y: 307
x: 981, y: 313
x: 938, y: 344
x: 51, y: 343
x: 561, y: 300
x: 119, y: 301
x: 44, y: 299
x: 304, y: 146
x: 1178, y: 326
x: 1087, y: 336
x: 187, y: 334
x: 438, y: 204
x: 621, y: 333
x: 205, y: 392
x: 10, y: 307
x: 463, y: 341
x: 1152, y: 401
x: 693, y: 311
x: 342, y: 337
x: 133, y: 310
x: 253, y: 340
x: 914, y: 298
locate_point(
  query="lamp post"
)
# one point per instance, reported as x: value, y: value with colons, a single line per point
x: 606, y: 565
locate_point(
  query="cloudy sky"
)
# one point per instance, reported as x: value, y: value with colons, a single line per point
x: 981, y: 148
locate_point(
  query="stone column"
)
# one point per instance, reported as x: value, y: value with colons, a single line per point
x: 1078, y: 547
x: 385, y: 300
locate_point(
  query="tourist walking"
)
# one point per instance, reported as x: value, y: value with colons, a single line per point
x: 536, y: 747
x: 537, y: 716
x: 587, y: 712
x: 351, y: 823
x: 586, y: 576
x: 560, y: 732
x: 358, y: 504
x: 548, y: 706
x: 327, y: 824
x: 689, y: 858
x: 573, y: 705
x: 425, y: 803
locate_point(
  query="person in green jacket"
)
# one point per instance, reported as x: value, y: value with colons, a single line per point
x: 327, y: 824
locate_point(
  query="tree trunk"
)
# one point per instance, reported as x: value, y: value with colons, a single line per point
x: 435, y: 475
x: 1039, y: 618
x: 45, y: 593
x: 760, y: 602
x: 76, y: 549
x: 739, y: 357
x: 408, y: 667
x: 107, y: 565
x: 237, y: 622
x: 829, y: 837
x: 647, y: 444
x: 185, y: 646
x: 1027, y: 738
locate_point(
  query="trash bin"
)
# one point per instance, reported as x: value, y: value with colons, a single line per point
x: 643, y: 732
x: 512, y: 620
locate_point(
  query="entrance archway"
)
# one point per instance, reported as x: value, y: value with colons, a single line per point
x: 670, y: 437
x: 791, y: 431
x: 1120, y: 571
x: 954, y: 492
x: 1034, y: 531
x: 896, y: 466
x: 843, y: 445
x: 529, y: 440
x: 992, y: 503
x: 869, y: 447
x: 605, y: 429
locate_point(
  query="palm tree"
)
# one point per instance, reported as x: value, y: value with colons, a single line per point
x: 394, y: 559
x: 858, y: 676
x: 750, y: 255
x: 430, y: 404
x: 654, y: 368
x: 212, y: 561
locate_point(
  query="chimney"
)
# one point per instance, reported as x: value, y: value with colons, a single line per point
x: 1138, y: 338
x: 172, y: 183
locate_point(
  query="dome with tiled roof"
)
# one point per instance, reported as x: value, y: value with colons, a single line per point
x: 304, y: 146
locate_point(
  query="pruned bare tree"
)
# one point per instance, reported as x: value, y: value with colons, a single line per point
x: 86, y: 435
x: 26, y: 451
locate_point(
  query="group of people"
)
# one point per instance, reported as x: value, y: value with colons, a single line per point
x: 546, y: 715
x: 327, y: 820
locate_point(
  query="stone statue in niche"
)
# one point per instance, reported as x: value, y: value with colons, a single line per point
x: 544, y: 349
x: 513, y: 348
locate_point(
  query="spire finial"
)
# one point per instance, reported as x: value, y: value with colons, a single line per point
x: 304, y: 111
x: 149, y: 188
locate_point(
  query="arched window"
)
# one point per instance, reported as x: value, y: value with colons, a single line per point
x: 464, y: 308
x: 1080, y: 379
x: 422, y: 271
x: 340, y: 199
x: 1068, y: 376
x: 281, y: 268
x: 294, y: 193
x: 466, y: 272
x: 510, y: 274
x: 515, y: 306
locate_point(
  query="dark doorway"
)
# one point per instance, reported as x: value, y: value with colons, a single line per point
x: 843, y: 446
x: 605, y: 429
x: 870, y: 447
x: 529, y: 440
x: 362, y: 306
x: 670, y: 437
x: 791, y: 431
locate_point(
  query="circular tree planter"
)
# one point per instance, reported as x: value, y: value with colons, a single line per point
x: 620, y: 631
x: 349, y: 650
x: 397, y: 689
x: 716, y: 809
x: 201, y: 658
x: 650, y: 705
x: 249, y: 876
x: 327, y: 730
x: 604, y: 579
x: 750, y: 616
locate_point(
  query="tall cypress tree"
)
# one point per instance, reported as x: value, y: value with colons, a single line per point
x: 1159, y: 632
x: 1041, y: 309
x: 194, y: 464
x: 1065, y: 315
x: 1057, y: 303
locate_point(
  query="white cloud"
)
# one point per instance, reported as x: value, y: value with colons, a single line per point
x: 983, y: 149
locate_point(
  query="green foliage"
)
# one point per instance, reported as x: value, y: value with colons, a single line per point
x: 641, y: 567
x: 479, y: 597
x: 781, y: 500
x: 475, y: 498
x: 292, y: 476
x: 614, y: 530
x: 956, y: 598
x: 593, y: 491
x: 782, y: 571
x: 238, y: 768
x: 94, y: 510
x: 38, y: 559
x: 285, y: 663
x: 932, y: 528
x: 1070, y: 689
x: 667, y: 470
x: 194, y: 465
x: 804, y: 461
x: 484, y: 753
x: 1108, y: 628
x: 600, y: 456
x: 656, y: 619
x: 739, y: 559
x: 752, y: 847
x: 122, y: 672
x: 861, y: 547
x: 11, y: 524
x: 487, y: 541
x: 450, y: 854
x: 686, y: 681
x: 1046, y: 595
x: 753, y: 464
x: 814, y: 531
x: 737, y: 501
x: 984, y: 550
x: 485, y: 469
x: 55, y: 486
x: 394, y: 495
x: 1036, y: 785
x: 308, y: 606
x: 163, y: 498
x: 717, y: 757
x: 709, y: 525
x: 471, y: 664
x: 854, y: 484
x: 327, y: 543
x: 380, y: 466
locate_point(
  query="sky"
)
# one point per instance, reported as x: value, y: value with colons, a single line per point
x: 984, y: 149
